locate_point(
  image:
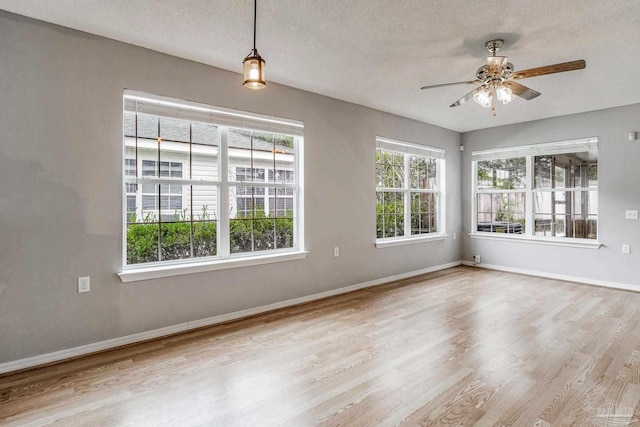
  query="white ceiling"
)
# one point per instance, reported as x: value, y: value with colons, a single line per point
x: 378, y: 53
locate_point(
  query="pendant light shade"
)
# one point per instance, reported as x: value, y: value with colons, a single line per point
x: 253, y: 64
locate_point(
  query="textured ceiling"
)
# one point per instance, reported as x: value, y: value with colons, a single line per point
x: 378, y: 53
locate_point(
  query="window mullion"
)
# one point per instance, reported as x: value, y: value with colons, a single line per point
x: 529, y: 220
x: 441, y: 209
x: 474, y: 196
x: 407, y: 195
x: 223, y: 195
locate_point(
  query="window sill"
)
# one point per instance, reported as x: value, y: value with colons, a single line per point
x: 572, y: 243
x: 387, y: 243
x: 134, y: 274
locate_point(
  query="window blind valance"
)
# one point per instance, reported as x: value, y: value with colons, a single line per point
x: 549, y: 148
x: 140, y: 102
x: 407, y: 147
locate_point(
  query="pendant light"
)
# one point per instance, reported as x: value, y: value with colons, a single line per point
x: 253, y: 64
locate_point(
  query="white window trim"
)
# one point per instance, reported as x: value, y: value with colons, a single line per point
x: 541, y: 240
x: 529, y: 151
x: 422, y: 150
x: 401, y: 241
x: 226, y: 118
x: 169, y: 269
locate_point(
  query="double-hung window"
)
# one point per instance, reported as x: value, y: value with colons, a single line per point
x: 543, y: 191
x: 409, y: 191
x: 199, y: 182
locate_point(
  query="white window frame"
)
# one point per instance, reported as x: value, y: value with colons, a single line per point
x: 407, y: 149
x: 225, y: 119
x: 529, y: 152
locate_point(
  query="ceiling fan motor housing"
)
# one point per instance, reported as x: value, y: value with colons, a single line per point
x: 484, y: 74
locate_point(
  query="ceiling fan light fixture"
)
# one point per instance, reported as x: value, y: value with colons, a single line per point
x: 504, y: 94
x: 253, y: 64
x: 483, y: 97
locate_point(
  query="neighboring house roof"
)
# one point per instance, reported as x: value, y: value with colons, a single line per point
x: 201, y: 133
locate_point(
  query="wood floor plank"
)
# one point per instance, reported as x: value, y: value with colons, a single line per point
x: 458, y: 347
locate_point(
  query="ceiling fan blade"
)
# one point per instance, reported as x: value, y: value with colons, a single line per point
x: 550, y: 69
x: 451, y: 84
x: 522, y: 91
x: 464, y: 98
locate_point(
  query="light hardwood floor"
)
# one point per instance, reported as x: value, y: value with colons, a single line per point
x: 463, y: 346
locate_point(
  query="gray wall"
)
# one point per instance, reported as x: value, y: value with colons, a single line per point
x: 61, y: 192
x: 618, y: 190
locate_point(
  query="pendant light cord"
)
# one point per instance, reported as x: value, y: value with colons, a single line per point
x: 255, y: 19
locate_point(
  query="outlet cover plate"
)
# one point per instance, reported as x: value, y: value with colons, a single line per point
x: 84, y: 284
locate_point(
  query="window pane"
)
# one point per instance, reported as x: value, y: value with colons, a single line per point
x: 205, y: 200
x: 205, y: 238
x: 424, y: 213
x: 241, y: 235
x: 247, y: 202
x: 175, y: 130
x: 142, y: 243
x: 566, y: 214
x: 263, y: 234
x: 129, y: 119
x: 175, y: 240
x: 259, y: 150
x: 390, y: 214
x: 390, y: 169
x: 170, y: 198
x: 131, y: 209
x: 570, y: 170
x: 251, y: 229
x: 422, y: 172
x: 281, y: 206
x: 204, y: 134
x: 505, y: 174
x: 284, y: 233
x: 501, y: 212
x: 147, y: 127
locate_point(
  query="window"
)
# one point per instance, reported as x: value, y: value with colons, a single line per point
x: 544, y: 190
x: 501, y: 196
x: 180, y: 206
x: 409, y: 183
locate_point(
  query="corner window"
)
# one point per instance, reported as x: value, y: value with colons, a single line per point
x: 544, y: 190
x: 409, y: 196
x: 199, y: 182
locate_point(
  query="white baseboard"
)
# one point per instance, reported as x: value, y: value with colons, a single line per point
x: 580, y: 280
x: 57, y: 356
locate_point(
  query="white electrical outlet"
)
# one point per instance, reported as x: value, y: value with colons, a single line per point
x: 336, y: 252
x: 626, y: 249
x: 454, y: 236
x: 631, y: 214
x: 476, y: 259
x: 84, y: 284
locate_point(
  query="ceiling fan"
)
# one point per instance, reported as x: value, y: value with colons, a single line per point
x: 497, y: 79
